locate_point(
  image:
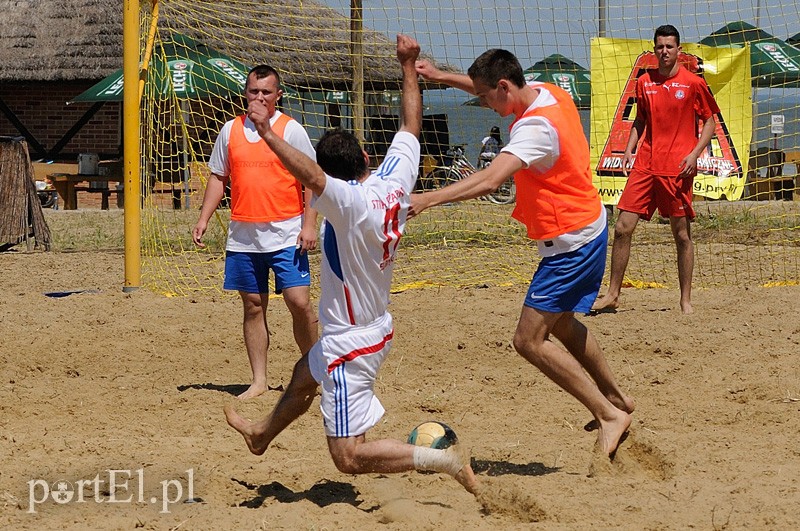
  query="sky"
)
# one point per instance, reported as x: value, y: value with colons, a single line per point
x: 456, y: 31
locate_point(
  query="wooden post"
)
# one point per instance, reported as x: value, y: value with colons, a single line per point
x: 357, y: 62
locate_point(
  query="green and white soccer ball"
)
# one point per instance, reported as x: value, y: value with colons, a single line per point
x: 433, y: 434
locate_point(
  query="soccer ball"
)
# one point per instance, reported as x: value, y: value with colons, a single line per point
x: 433, y: 434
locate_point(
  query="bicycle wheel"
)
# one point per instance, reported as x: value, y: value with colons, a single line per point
x: 441, y: 177
x: 48, y: 199
x: 505, y: 195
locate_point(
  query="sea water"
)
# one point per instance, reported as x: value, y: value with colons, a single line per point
x: 468, y: 125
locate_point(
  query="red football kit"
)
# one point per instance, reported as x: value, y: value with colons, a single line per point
x: 671, y: 107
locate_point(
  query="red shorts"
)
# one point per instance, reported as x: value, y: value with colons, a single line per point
x: 644, y: 192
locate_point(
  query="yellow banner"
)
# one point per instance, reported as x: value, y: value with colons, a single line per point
x: 722, y: 169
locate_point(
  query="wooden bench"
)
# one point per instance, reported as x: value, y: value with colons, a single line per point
x: 67, y: 186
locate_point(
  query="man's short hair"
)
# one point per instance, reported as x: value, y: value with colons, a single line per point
x: 493, y: 65
x: 262, y: 71
x: 340, y: 155
x: 667, y: 30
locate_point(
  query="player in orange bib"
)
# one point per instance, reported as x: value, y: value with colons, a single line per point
x: 669, y: 101
x: 272, y: 227
x: 548, y: 155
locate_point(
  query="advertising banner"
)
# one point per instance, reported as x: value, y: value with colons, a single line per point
x: 617, y: 63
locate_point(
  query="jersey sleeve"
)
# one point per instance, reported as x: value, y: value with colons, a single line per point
x: 534, y: 141
x: 641, y: 106
x: 401, y: 163
x: 705, y: 105
x: 296, y: 136
x: 218, y: 162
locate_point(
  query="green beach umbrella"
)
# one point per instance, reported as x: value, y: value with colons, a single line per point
x: 774, y: 63
x: 561, y: 71
x: 181, y: 66
x: 794, y: 40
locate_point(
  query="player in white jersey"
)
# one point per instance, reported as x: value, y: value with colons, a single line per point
x: 365, y: 214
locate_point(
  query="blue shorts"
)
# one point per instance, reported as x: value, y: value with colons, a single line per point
x: 569, y: 282
x: 249, y: 272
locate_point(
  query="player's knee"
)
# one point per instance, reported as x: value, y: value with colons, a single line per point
x: 623, y: 230
x: 524, y: 346
x: 346, y: 462
x: 302, y: 382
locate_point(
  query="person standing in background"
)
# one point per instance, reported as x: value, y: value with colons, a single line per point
x: 669, y: 101
x: 272, y: 225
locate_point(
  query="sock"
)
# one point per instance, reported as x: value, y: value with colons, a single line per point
x: 437, y: 460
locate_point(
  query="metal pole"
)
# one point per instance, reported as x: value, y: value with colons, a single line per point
x: 131, y: 151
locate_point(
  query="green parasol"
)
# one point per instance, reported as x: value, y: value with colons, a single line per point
x: 773, y: 62
x: 181, y: 66
x: 561, y: 71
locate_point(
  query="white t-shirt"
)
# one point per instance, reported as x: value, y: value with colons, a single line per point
x: 260, y: 237
x: 361, y: 232
x: 535, y: 142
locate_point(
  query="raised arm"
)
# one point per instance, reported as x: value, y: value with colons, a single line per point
x: 411, y: 112
x: 303, y: 168
x: 460, y: 81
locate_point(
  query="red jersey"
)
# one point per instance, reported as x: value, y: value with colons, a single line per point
x: 670, y: 107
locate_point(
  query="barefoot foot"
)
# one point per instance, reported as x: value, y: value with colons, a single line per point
x: 465, y: 476
x: 621, y: 402
x: 249, y: 430
x: 606, y: 303
x: 686, y: 308
x: 611, y: 433
x: 253, y: 391
x: 468, y: 479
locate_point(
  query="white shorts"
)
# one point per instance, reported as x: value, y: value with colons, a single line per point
x: 346, y: 365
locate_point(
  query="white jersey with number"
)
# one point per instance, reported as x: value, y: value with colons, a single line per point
x: 360, y: 235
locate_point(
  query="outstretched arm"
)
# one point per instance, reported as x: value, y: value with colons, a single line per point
x: 298, y: 163
x: 460, y: 81
x: 478, y: 184
x: 407, y: 53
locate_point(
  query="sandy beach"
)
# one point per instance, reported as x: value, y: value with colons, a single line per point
x: 103, y: 383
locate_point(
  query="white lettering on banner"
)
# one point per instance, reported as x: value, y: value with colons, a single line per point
x: 116, y: 87
x: 715, y: 164
x: 180, y: 75
x: 228, y: 68
x: 565, y: 82
x: 611, y: 162
x: 777, y: 55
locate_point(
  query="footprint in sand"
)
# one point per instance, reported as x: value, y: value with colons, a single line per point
x: 501, y: 497
x: 637, y: 455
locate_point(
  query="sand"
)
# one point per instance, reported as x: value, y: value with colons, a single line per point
x: 102, y: 385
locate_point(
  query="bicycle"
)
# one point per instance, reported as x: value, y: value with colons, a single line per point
x: 455, y: 167
x: 507, y: 192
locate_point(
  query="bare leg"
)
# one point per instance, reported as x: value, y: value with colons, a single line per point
x: 304, y: 322
x: 256, y: 340
x: 681, y: 231
x: 293, y: 403
x: 581, y: 343
x: 356, y: 455
x: 532, y: 342
x: 620, y: 254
